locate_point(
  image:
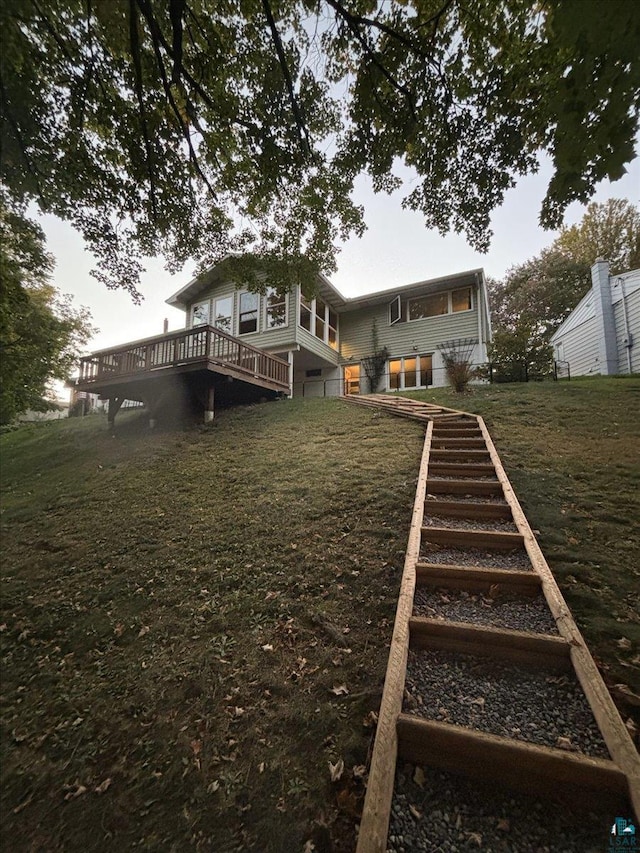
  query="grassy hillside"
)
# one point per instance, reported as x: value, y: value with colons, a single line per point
x: 195, y: 624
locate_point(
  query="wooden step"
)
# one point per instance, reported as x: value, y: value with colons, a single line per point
x: 445, y: 443
x: 468, y: 510
x: 458, y: 454
x: 470, y: 469
x: 478, y: 579
x: 520, y: 647
x: 464, y: 487
x: 492, y: 540
x: 536, y: 770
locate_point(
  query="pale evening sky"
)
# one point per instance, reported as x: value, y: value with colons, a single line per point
x: 395, y: 250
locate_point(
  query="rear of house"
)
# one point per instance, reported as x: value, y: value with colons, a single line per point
x: 326, y: 339
x: 600, y: 335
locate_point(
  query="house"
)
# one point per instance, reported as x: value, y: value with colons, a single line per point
x: 309, y: 341
x: 600, y: 335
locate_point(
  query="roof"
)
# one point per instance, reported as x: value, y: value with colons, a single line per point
x: 585, y: 309
x: 327, y: 291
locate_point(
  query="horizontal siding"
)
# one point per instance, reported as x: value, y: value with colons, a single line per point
x: 400, y: 339
x: 580, y: 348
x: 633, y: 319
x: 316, y: 346
x: 267, y: 338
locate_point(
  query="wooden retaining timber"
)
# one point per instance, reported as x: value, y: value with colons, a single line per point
x: 613, y: 783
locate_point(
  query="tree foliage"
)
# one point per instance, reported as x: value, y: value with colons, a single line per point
x: 536, y: 297
x: 188, y: 128
x: 610, y: 231
x: 40, y: 331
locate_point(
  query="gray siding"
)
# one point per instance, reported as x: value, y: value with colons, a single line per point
x: 580, y: 348
x: 633, y: 319
x: 270, y: 339
x: 401, y: 338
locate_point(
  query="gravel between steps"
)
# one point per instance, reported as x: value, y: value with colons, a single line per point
x: 448, y: 814
x: 503, y: 699
x: 469, y: 524
x: 517, y: 560
x: 519, y: 613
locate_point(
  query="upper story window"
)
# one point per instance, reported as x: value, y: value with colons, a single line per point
x: 276, y: 308
x: 461, y: 299
x: 222, y: 313
x: 320, y: 320
x: 436, y: 304
x: 248, y: 314
x: 428, y: 306
x: 200, y: 313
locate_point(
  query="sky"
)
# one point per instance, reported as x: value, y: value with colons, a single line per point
x: 395, y: 250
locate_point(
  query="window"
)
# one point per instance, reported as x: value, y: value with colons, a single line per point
x: 222, y: 313
x: 428, y: 306
x: 395, y: 311
x: 200, y: 314
x: 320, y: 320
x: 306, y: 313
x: 248, y: 315
x: 410, y: 372
x: 276, y: 310
x: 332, y: 329
x: 461, y: 299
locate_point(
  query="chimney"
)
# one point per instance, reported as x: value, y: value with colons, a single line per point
x: 605, y: 321
x: 165, y: 326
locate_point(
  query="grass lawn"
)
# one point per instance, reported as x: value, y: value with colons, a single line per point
x: 195, y: 624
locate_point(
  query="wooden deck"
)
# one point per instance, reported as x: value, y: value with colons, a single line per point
x: 203, y: 348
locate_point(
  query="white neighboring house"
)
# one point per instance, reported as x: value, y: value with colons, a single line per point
x: 602, y: 333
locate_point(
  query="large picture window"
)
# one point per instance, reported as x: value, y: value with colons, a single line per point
x: 222, y: 313
x: 437, y: 304
x: 276, y: 308
x: 248, y: 314
x: 428, y: 306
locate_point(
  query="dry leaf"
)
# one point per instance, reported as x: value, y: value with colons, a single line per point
x: 144, y: 630
x: 336, y: 770
x: 415, y: 812
x: 565, y: 743
x: 261, y: 767
x: 359, y: 771
x: 624, y: 643
x: 475, y: 837
x: 103, y: 786
x: 309, y: 847
x: 119, y: 629
x: 78, y: 792
x: 340, y: 690
x: 267, y: 647
x: 504, y: 825
x: 419, y: 777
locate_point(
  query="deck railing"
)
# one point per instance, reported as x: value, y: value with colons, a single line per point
x: 204, y: 343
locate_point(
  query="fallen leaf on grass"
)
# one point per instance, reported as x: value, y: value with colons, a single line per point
x: 144, y: 630
x: 103, y: 786
x: 119, y: 629
x: 475, y: 837
x: 336, y: 770
x: 267, y: 647
x: 624, y: 643
x: 359, y: 771
x: 75, y: 790
x: 340, y: 690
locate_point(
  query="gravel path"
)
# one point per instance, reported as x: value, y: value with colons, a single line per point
x: 467, y: 524
x: 447, y: 814
x: 520, y: 613
x: 502, y: 699
x: 474, y: 557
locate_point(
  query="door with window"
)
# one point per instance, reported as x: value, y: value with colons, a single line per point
x: 352, y: 379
